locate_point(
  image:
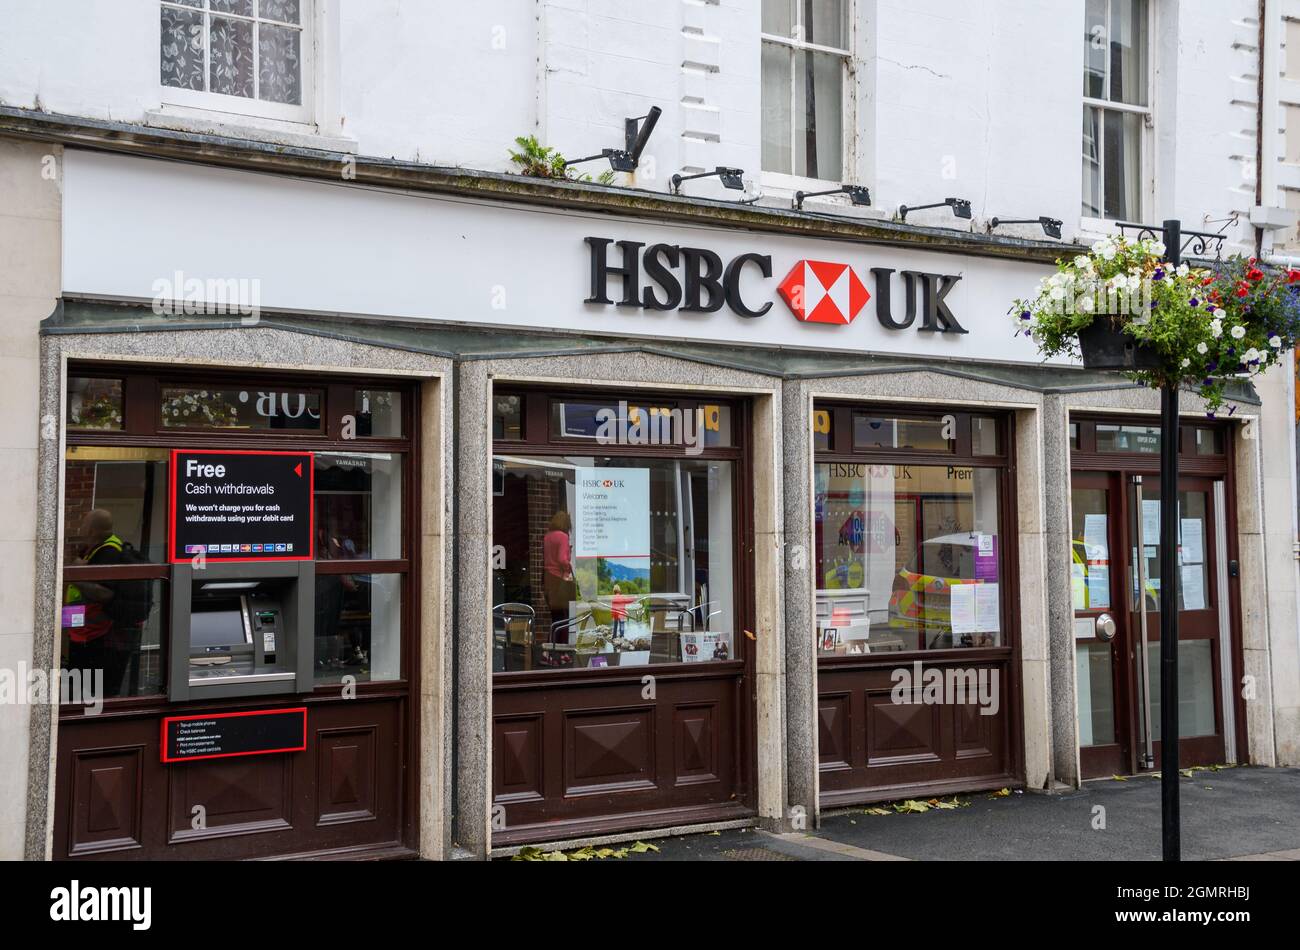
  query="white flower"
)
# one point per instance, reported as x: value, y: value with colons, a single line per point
x: 1216, y: 328
x: 1187, y: 363
x: 1202, y: 348
x: 1251, y: 355
x: 1275, y: 342
x: 1220, y: 313
x: 1157, y: 248
x: 1057, y: 293
x: 1082, y: 261
x: 1238, y: 332
x: 1182, y: 270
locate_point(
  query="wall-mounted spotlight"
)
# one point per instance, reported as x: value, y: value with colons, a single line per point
x: 1051, y: 226
x: 858, y: 195
x: 960, y: 208
x: 636, y: 132
x: 731, y: 178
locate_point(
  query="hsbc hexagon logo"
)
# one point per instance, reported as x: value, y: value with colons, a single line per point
x: 822, y: 292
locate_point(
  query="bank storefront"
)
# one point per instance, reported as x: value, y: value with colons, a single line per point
x: 603, y: 522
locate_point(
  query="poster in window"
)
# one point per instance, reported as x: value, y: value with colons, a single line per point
x: 241, y: 506
x: 613, y: 513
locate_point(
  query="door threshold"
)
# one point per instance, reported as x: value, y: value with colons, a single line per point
x: 644, y: 834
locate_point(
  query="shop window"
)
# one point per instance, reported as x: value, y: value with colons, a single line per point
x: 113, y: 617
x: 1209, y: 442
x: 984, y: 436
x: 805, y: 61
x: 821, y: 426
x: 908, y: 557
x: 358, y: 506
x: 685, y: 425
x: 1143, y: 440
x: 358, y: 627
x: 113, y: 635
x: 215, y: 407
x: 378, y: 413
x: 119, y: 490
x: 94, y: 403
x: 1116, y: 108
x: 116, y: 597
x: 612, y: 561
x: 928, y: 434
x: 507, y: 417
x: 251, y: 57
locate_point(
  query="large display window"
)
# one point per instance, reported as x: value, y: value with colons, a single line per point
x: 120, y: 430
x: 614, y: 532
x: 911, y: 552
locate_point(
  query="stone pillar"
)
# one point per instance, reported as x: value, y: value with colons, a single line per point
x: 800, y: 654
x: 471, y: 548
x: 1064, y: 708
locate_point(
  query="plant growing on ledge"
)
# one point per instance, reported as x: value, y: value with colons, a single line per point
x: 1123, y: 306
x: 541, y: 161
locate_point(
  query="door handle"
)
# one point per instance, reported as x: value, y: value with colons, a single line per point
x: 1105, y: 627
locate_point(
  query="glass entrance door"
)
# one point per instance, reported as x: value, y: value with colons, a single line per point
x: 1115, y: 578
x: 1199, y: 702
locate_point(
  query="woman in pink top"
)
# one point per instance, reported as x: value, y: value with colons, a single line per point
x: 558, y: 574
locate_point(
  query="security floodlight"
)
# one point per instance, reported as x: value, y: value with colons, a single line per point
x: 1051, y: 226
x: 731, y: 178
x: 960, y: 208
x: 858, y: 195
x: 635, y: 135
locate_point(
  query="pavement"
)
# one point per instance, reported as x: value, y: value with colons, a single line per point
x: 1241, y: 813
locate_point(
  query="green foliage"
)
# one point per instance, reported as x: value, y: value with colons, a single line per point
x: 1205, y: 325
x: 541, y: 161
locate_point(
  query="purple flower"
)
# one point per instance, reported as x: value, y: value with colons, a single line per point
x: 1195, y: 302
x: 1025, y: 315
x: 1159, y: 274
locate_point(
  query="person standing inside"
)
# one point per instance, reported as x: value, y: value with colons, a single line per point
x: 618, y: 611
x: 90, y: 642
x: 557, y: 559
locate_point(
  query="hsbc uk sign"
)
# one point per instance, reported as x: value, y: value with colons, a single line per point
x: 697, y: 280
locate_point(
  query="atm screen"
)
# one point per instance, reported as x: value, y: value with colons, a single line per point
x: 217, y: 628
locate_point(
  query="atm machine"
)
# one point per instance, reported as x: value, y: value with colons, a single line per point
x: 241, y: 629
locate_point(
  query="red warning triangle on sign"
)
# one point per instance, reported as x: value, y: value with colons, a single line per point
x: 297, y: 469
x: 823, y: 292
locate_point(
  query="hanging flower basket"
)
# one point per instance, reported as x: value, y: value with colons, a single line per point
x: 1122, y: 307
x: 1105, y: 345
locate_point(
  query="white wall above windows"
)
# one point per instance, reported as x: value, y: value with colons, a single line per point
x: 979, y: 99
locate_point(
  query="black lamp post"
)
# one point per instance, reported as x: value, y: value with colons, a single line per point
x: 1124, y: 355
x: 1170, y: 830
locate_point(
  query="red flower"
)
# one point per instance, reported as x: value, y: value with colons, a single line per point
x: 1209, y: 280
x: 1254, y: 274
x: 1243, y: 289
x: 1292, y: 276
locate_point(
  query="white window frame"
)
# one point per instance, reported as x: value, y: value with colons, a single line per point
x: 1146, y: 150
x: 221, y: 105
x: 788, y: 183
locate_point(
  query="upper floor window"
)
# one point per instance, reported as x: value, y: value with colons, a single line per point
x: 1116, y: 107
x: 245, y: 56
x: 805, y: 67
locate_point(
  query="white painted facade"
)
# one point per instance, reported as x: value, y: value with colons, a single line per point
x: 978, y: 99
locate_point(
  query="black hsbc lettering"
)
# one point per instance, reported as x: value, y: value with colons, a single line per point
x: 705, y: 284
